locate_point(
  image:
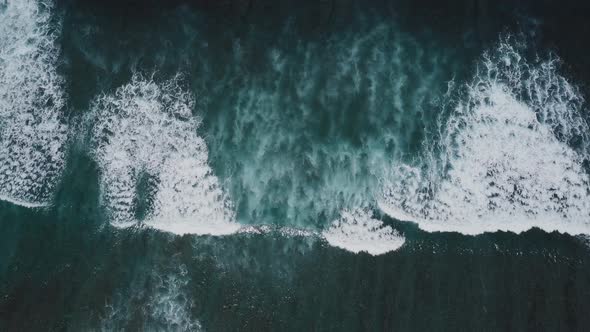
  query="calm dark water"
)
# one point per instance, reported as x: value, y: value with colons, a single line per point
x: 304, y: 110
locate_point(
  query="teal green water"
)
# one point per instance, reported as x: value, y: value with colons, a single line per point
x: 305, y: 111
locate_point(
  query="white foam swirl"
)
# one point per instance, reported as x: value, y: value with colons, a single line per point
x: 510, y: 157
x: 32, y: 131
x: 146, y: 129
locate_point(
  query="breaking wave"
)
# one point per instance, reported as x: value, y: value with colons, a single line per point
x: 355, y: 231
x: 146, y: 145
x: 32, y: 128
x: 148, y: 151
x: 510, y: 156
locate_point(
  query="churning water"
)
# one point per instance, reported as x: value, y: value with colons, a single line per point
x: 171, y: 168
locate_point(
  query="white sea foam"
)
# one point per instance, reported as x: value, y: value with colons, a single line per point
x: 32, y: 130
x: 510, y: 156
x: 146, y: 129
x: 283, y: 231
x: 357, y: 231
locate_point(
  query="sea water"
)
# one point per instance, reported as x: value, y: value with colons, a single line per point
x: 178, y: 166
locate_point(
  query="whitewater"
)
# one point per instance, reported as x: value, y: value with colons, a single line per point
x: 509, y: 157
x: 147, y: 130
x: 33, y: 131
x: 508, y: 152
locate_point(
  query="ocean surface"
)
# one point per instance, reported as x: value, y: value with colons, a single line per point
x: 294, y: 165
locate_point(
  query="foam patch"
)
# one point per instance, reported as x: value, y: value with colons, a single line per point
x: 147, y: 130
x: 510, y: 157
x: 357, y: 231
x: 32, y: 128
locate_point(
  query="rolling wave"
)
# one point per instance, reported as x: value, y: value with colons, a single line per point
x: 510, y: 157
x: 146, y: 130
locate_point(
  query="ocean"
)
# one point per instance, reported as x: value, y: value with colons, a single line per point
x: 307, y: 166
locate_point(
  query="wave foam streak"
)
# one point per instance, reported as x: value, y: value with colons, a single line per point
x: 510, y: 157
x: 145, y: 132
x: 32, y: 130
x: 167, y: 307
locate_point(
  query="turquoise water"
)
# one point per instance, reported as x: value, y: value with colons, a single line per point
x: 264, y: 166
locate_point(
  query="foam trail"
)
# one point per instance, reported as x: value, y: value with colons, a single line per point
x: 510, y: 156
x: 32, y: 131
x: 146, y: 130
x: 170, y: 307
x: 167, y: 305
x: 356, y: 231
